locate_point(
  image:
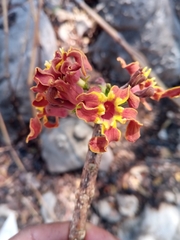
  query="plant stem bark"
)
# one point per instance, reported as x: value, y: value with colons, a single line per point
x: 85, y: 192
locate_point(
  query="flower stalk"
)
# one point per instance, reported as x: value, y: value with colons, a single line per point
x: 85, y: 192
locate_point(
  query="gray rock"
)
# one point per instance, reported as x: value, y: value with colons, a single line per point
x: 61, y: 150
x: 142, y: 25
x: 128, y: 205
x: 169, y: 197
x: 162, y: 134
x: 106, y: 161
x: 161, y: 223
x: 20, y: 44
x: 107, y: 211
x: 153, y: 224
x: 49, y: 202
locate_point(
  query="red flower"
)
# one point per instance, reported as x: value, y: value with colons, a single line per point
x: 58, y: 86
x: 144, y: 87
x: 105, y: 109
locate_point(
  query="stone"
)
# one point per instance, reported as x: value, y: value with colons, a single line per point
x: 49, y: 202
x: 137, y: 180
x: 128, y: 205
x: 20, y: 45
x: 162, y: 134
x: 9, y: 227
x: 153, y: 224
x: 169, y: 197
x: 107, y: 211
x: 106, y: 160
x: 140, y: 22
x: 61, y: 149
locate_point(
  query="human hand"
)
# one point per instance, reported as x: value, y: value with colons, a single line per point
x: 59, y: 231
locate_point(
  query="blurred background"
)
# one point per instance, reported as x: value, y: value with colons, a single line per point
x: 138, y: 187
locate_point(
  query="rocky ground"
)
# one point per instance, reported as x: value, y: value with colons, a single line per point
x: 138, y: 187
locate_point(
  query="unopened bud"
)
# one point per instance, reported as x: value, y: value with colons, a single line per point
x: 137, y: 78
x: 148, y: 92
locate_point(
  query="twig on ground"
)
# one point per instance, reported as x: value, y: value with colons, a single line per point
x: 85, y: 192
x: 7, y: 140
x: 6, y: 40
x: 134, y: 53
x: 36, y: 18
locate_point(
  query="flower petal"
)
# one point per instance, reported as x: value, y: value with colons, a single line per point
x: 87, y: 114
x: 91, y: 100
x: 49, y: 124
x: 56, y: 111
x: 43, y: 77
x: 98, y: 144
x: 68, y: 67
x: 172, y: 92
x: 80, y: 58
x: 129, y: 113
x: 35, y: 129
x: 131, y: 68
x: 69, y: 91
x: 113, y: 134
x: 133, y: 130
x: 40, y: 100
x: 39, y: 88
x: 133, y: 100
x: 121, y: 94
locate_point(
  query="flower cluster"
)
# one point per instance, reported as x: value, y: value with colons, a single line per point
x: 57, y: 87
x: 62, y: 86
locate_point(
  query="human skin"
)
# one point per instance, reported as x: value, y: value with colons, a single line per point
x: 59, y: 231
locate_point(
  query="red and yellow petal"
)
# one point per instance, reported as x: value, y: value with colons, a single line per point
x: 129, y: 113
x: 80, y: 58
x: 68, y: 67
x: 133, y: 130
x: 42, y: 76
x: 49, y: 124
x: 133, y: 100
x: 120, y: 94
x: 158, y: 93
x: 131, y: 68
x: 112, y: 134
x: 39, y: 88
x: 56, y: 111
x: 68, y: 91
x: 171, y: 93
x: 87, y: 114
x: 35, y: 129
x: 40, y: 100
x: 91, y: 100
x: 98, y: 144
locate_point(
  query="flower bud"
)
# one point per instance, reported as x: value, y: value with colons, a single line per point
x: 137, y: 78
x: 147, y: 92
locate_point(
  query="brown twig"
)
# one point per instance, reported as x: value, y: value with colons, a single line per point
x: 134, y: 53
x: 85, y: 192
x: 6, y: 33
x: 8, y: 142
x: 36, y: 18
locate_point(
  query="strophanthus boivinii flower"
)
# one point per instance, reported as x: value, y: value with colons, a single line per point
x: 106, y: 108
x: 62, y: 86
x: 57, y: 87
x: 142, y: 86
